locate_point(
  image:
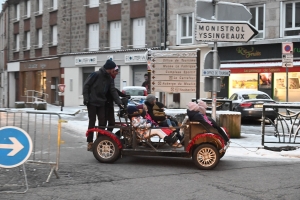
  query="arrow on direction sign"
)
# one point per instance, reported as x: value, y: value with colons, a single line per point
x: 219, y: 31
x: 16, y: 146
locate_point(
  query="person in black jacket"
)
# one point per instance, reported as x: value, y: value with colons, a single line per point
x: 95, y: 90
x: 109, y: 107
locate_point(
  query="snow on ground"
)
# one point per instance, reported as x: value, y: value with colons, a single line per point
x: 247, y: 145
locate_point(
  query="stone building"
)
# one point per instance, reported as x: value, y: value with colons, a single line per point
x: 52, y: 42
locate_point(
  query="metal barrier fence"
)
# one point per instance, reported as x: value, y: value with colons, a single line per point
x: 44, y: 129
x: 286, y: 126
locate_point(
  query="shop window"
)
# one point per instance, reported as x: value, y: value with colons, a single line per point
x: 185, y: 29
x: 291, y: 18
x: 258, y: 19
x: 93, y: 40
x: 86, y: 71
x: 115, y: 35
x: 25, y: 81
x: 138, y: 33
x: 40, y: 83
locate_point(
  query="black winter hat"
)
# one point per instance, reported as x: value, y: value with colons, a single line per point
x: 109, y: 64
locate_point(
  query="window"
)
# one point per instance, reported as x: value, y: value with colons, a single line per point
x: 138, y: 33
x: 39, y: 7
x: 26, y: 43
x: 17, y: 42
x: 291, y: 22
x: 17, y: 12
x: 27, y: 9
x: 185, y: 29
x: 115, y: 1
x: 115, y: 35
x: 54, y: 4
x: 93, y: 37
x: 54, y: 35
x: 93, y: 3
x: 39, y: 38
x: 258, y: 19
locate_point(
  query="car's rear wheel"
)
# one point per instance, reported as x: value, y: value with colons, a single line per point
x: 206, y: 156
x: 106, y: 150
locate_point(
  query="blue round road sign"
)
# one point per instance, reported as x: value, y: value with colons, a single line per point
x: 15, y: 146
x: 287, y: 48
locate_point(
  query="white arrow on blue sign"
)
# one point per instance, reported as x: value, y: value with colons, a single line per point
x: 15, y: 146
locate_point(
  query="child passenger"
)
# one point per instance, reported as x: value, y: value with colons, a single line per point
x: 198, y: 113
x: 143, y: 126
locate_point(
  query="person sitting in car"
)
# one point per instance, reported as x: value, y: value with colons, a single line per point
x: 143, y: 126
x: 198, y: 113
x: 156, y: 111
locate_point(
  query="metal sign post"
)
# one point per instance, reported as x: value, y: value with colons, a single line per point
x: 220, y: 22
x: 287, y: 61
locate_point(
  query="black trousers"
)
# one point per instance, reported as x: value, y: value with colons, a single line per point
x: 110, y: 116
x: 93, y: 112
x: 215, y: 125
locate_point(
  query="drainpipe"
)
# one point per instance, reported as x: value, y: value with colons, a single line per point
x: 166, y: 23
x: 160, y: 24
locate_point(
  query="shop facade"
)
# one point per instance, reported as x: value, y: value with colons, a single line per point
x: 259, y: 67
x: 39, y: 78
x: 77, y: 67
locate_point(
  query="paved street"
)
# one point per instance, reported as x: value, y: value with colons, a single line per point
x: 236, y: 177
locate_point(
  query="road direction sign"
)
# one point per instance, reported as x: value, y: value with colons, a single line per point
x: 225, y: 11
x: 215, y: 72
x: 173, y: 72
x: 218, y: 31
x: 173, y: 60
x: 15, y: 146
x: 209, y: 60
x: 173, y: 77
x: 174, y: 89
x: 174, y: 66
x: 173, y: 83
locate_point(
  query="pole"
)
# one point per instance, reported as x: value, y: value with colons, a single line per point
x: 198, y: 75
x: 214, y: 90
x: 215, y: 66
x: 287, y: 84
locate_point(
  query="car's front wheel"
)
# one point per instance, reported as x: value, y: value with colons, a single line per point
x: 206, y: 156
x: 106, y: 150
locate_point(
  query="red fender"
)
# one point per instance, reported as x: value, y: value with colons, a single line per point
x: 106, y: 133
x: 202, y: 135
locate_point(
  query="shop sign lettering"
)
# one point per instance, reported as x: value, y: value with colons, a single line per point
x: 248, y: 53
x: 261, y: 70
x: 297, y: 50
x: 85, y: 60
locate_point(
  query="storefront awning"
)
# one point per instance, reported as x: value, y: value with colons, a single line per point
x: 254, y: 65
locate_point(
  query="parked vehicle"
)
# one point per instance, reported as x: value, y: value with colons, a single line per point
x: 137, y: 93
x: 250, y: 104
x: 201, y: 142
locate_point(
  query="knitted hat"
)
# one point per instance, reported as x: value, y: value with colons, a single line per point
x: 192, y: 106
x: 109, y: 64
x: 202, y: 104
x: 132, y: 110
x: 202, y: 110
x: 150, y: 98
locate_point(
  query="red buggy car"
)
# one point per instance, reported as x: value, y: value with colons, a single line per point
x: 201, y: 142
